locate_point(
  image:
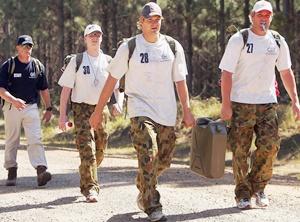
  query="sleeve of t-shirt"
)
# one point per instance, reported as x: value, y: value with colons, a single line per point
x: 284, y: 57
x: 68, y: 77
x: 232, y: 53
x: 42, y: 82
x: 119, y: 64
x: 179, y: 64
x: 4, y: 75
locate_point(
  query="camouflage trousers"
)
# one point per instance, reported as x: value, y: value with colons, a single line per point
x: 91, y: 146
x: 155, y: 145
x: 252, y: 171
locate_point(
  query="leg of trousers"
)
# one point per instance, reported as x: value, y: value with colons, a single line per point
x: 247, y: 119
x: 145, y: 135
x: 29, y: 118
x: 267, y: 143
x: 91, y: 153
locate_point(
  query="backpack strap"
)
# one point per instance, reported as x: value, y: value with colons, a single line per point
x: 131, y: 46
x: 276, y: 37
x: 78, y: 57
x: 171, y: 42
x: 11, y: 65
x: 38, y: 66
x: 245, y: 35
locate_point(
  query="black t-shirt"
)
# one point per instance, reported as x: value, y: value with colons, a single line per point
x: 24, y: 83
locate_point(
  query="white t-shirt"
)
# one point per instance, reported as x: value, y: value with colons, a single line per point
x: 150, y: 77
x: 87, y: 83
x: 253, y: 68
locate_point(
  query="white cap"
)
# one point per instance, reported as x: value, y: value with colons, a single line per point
x: 92, y: 28
x: 262, y: 5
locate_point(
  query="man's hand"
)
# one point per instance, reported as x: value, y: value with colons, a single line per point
x: 188, y: 119
x: 226, y: 111
x: 296, y: 110
x: 47, y: 116
x: 96, y: 120
x: 19, y: 104
x: 63, y: 119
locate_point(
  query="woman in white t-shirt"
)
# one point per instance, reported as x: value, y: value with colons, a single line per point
x: 249, y: 100
x: 150, y: 76
x: 86, y: 83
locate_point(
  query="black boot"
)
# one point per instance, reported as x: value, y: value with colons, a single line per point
x: 43, y: 177
x: 12, y: 176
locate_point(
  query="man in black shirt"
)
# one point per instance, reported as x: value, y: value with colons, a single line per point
x: 22, y: 78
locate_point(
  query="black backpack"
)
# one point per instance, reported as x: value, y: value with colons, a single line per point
x: 38, y: 66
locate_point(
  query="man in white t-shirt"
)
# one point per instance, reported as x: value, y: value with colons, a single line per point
x: 86, y: 83
x: 150, y: 76
x: 249, y: 100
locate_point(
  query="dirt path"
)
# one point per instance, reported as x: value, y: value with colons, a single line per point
x: 185, y: 196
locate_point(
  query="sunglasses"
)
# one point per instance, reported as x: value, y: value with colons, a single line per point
x: 27, y: 46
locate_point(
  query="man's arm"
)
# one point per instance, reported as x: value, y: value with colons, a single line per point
x: 45, y: 95
x: 288, y: 79
x: 188, y: 118
x: 16, y: 102
x: 96, y: 117
x: 226, y: 85
x: 64, y: 97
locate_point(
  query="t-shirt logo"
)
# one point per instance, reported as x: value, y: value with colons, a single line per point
x: 17, y: 75
x: 271, y: 50
x: 32, y: 75
x: 165, y: 57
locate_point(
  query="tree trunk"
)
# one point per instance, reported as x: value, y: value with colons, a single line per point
x: 277, y: 6
x: 189, y: 38
x: 222, y: 26
x: 105, y: 25
x: 246, y: 14
x: 6, y: 30
x: 61, y: 30
x: 114, y: 14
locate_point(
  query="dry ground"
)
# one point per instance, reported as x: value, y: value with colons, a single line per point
x: 185, y: 195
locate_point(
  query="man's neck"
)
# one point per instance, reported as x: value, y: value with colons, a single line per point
x: 151, y: 37
x: 93, y: 51
x: 24, y: 59
x: 258, y: 31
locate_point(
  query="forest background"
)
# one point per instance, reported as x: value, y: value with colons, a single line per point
x: 199, y: 25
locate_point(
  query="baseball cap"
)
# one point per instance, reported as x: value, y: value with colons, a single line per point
x: 151, y: 9
x: 24, y: 39
x: 262, y: 5
x: 92, y: 28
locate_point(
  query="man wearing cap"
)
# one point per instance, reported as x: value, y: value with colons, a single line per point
x: 86, y: 85
x: 249, y: 100
x: 22, y: 78
x: 150, y: 76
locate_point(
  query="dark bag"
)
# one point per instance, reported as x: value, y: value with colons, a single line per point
x: 209, y: 140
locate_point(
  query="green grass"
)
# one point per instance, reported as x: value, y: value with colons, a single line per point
x: 206, y: 108
x: 120, y: 144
